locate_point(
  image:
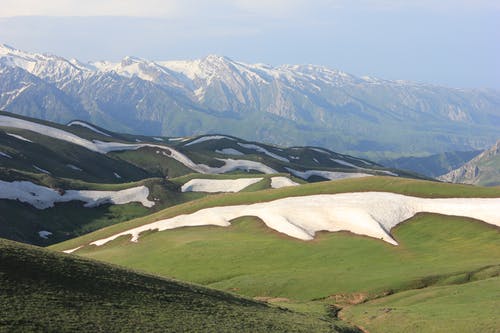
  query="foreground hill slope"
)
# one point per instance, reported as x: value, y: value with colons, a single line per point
x: 50, y: 292
x: 287, y: 105
x: 468, y: 305
x: 484, y: 169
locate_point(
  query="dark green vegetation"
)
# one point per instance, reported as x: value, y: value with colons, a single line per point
x: 433, y: 165
x: 43, y: 291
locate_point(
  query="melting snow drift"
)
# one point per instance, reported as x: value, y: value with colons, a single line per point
x: 218, y: 185
x: 42, y: 197
x: 372, y: 214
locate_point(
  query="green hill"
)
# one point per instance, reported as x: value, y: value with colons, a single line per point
x: 266, y: 263
x: 43, y: 291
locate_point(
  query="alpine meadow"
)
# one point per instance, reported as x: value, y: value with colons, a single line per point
x: 225, y: 176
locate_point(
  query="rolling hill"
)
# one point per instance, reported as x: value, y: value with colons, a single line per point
x: 341, y: 270
x: 323, y: 235
x: 61, y: 181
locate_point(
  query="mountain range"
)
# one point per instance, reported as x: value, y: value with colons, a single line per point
x: 286, y: 105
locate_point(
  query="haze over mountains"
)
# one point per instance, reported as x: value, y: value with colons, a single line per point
x: 289, y: 104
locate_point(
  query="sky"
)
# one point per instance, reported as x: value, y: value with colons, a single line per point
x: 453, y: 43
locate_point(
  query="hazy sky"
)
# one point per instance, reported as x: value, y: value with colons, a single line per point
x: 448, y: 42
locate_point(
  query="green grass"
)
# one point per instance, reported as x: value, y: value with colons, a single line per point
x: 470, y: 307
x: 44, y: 291
x: 253, y: 260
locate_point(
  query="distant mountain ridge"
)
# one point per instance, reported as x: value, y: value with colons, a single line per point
x: 483, y: 169
x: 287, y: 105
x: 433, y: 165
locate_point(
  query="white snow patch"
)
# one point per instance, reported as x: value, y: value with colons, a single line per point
x: 331, y: 175
x: 218, y: 185
x: 74, y: 167
x: 344, y: 163
x: 360, y: 168
x: 17, y: 136
x: 372, y: 214
x: 5, y: 155
x: 388, y: 173
x: 90, y: 127
x: 279, y: 182
x: 207, y: 138
x: 263, y: 150
x: 229, y: 151
x: 231, y: 165
x: 42, y: 197
x: 41, y: 170
x: 178, y: 139
x: 319, y: 150
x: 72, y: 250
x: 44, y: 234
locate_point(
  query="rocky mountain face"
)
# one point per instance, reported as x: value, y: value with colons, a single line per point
x: 287, y: 105
x: 484, y: 169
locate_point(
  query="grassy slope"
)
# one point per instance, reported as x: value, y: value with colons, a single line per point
x: 265, y: 263
x: 490, y: 172
x: 46, y: 291
x: 55, y: 155
x: 471, y: 307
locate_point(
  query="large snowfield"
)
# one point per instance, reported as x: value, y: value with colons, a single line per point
x: 42, y: 197
x: 371, y: 214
